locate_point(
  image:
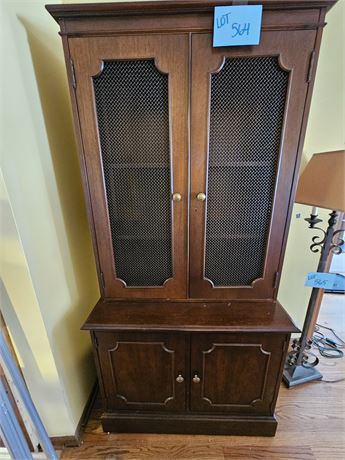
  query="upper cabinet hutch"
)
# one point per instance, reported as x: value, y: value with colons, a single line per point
x: 189, y: 156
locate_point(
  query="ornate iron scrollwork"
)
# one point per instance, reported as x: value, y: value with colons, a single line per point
x: 337, y: 242
x: 318, y: 240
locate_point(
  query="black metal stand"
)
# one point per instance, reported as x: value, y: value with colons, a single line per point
x: 298, y: 369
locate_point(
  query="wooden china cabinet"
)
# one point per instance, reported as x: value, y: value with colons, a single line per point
x: 189, y: 156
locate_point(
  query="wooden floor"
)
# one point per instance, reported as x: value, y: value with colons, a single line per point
x: 311, y: 423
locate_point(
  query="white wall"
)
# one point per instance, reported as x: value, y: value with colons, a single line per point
x: 325, y: 132
x: 41, y: 174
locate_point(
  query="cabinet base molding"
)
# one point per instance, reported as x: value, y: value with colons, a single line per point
x: 119, y: 422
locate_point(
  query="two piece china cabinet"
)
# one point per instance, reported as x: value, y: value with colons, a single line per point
x: 189, y: 157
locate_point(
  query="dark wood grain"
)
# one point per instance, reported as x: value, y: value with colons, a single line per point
x: 171, y: 57
x: 178, y: 6
x: 286, y: 44
x: 293, y: 49
x: 140, y: 370
x: 192, y: 316
x: 235, y: 339
x: 183, y: 22
x: 237, y: 372
x: 189, y: 423
x: 305, y: 431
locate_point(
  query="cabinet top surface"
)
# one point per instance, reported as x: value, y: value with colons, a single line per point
x: 263, y: 316
x: 165, y: 7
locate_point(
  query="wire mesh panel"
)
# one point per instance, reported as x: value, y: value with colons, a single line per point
x: 246, y: 118
x: 133, y: 122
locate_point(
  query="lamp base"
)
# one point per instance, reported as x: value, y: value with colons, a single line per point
x: 295, y: 375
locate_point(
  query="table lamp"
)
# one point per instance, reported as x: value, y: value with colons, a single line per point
x: 322, y: 184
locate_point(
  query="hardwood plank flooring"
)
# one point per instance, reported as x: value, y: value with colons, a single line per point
x: 311, y: 423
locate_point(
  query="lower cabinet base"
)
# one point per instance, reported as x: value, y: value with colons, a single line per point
x: 120, y: 422
x: 192, y: 382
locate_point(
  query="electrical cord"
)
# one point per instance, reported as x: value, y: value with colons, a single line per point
x: 328, y: 347
x: 341, y: 341
x: 329, y: 381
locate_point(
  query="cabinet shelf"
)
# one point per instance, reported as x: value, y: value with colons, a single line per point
x: 240, y: 163
x: 143, y: 238
x: 140, y: 166
x: 236, y: 236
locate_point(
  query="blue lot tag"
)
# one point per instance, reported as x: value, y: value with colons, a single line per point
x: 329, y: 281
x: 237, y: 25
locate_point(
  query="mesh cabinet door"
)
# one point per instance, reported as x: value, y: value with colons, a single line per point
x: 249, y: 103
x: 132, y: 105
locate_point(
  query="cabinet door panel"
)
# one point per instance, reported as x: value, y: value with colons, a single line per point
x: 237, y: 372
x: 132, y: 95
x: 139, y: 371
x: 248, y: 103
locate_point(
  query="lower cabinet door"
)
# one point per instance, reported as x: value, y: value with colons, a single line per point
x: 238, y: 373
x: 142, y: 371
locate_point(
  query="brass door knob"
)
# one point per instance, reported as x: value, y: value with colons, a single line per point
x: 177, y: 197
x: 196, y: 378
x: 201, y: 197
x: 179, y: 378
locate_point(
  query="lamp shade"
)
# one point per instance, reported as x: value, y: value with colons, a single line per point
x: 322, y: 183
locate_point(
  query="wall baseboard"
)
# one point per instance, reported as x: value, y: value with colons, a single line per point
x: 59, y: 442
